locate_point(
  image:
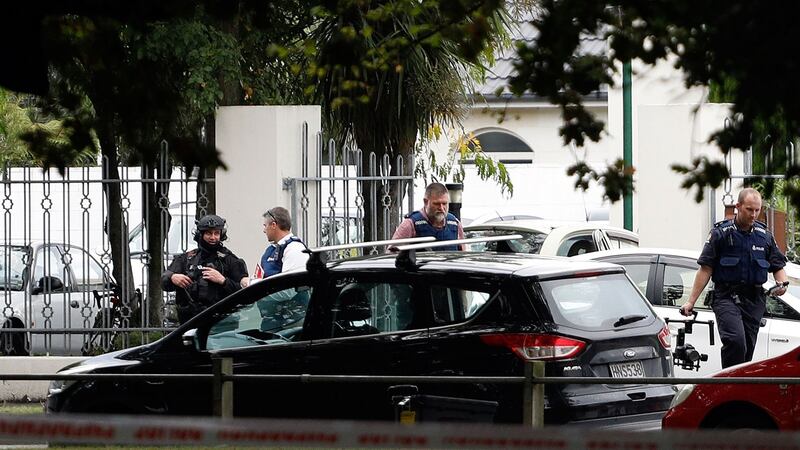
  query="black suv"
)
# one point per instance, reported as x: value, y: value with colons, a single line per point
x: 443, y: 313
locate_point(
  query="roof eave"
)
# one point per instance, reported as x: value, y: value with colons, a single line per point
x: 598, y: 98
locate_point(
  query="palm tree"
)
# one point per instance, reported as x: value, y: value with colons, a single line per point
x: 385, y: 79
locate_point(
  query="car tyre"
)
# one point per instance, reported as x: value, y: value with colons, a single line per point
x: 13, y: 344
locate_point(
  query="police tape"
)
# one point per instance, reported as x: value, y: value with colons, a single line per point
x: 188, y: 431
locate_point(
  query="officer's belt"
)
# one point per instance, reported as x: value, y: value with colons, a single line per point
x: 738, y: 288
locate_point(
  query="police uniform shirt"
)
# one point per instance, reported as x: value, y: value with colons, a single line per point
x: 748, y: 253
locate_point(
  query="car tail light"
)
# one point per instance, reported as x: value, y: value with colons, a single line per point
x: 542, y: 347
x: 591, y: 274
x: 664, y: 338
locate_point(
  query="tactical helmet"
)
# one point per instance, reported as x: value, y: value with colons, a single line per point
x: 210, y: 222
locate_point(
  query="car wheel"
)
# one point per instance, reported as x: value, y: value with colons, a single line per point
x: 13, y: 344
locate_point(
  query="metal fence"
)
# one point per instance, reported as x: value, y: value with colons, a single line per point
x: 779, y: 213
x: 349, y: 196
x: 59, y: 295
x: 222, y: 379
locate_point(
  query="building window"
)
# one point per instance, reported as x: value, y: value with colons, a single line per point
x: 504, y: 147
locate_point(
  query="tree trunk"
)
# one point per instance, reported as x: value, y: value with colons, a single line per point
x: 116, y: 227
x: 232, y: 94
x: 156, y: 217
x: 207, y: 190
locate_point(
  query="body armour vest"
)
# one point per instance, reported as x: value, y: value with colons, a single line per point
x: 743, y: 257
x: 423, y: 228
x: 272, y: 259
x: 201, y: 291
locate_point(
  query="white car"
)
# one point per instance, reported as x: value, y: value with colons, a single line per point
x: 793, y: 272
x: 665, y: 276
x: 178, y: 240
x: 50, y: 286
x: 552, y: 238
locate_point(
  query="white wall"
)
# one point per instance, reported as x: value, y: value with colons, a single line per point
x: 31, y: 390
x: 665, y: 214
x: 261, y: 145
x: 543, y: 188
x: 671, y: 124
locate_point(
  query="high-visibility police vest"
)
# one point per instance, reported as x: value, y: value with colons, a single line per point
x: 743, y: 257
x: 424, y: 228
x: 272, y: 259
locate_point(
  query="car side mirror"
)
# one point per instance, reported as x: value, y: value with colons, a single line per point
x: 189, y: 339
x: 47, y: 284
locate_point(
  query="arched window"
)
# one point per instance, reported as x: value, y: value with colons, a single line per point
x: 504, y: 146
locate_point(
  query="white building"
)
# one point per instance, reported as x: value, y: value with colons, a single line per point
x: 522, y: 132
x: 669, y: 126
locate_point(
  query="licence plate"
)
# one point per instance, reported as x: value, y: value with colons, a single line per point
x: 632, y: 369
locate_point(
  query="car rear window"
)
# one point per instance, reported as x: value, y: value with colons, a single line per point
x: 596, y: 302
x: 454, y: 304
x: 531, y: 241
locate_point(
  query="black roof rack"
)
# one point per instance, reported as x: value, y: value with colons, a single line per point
x: 407, y: 258
x: 318, y: 259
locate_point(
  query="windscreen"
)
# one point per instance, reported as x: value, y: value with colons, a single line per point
x: 531, y: 241
x: 596, y: 302
x: 179, y: 236
x: 12, y: 267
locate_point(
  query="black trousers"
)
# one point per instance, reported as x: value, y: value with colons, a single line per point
x: 738, y: 324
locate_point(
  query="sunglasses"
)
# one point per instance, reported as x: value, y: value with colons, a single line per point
x: 272, y: 216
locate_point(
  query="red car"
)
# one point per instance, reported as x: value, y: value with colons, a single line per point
x: 751, y: 406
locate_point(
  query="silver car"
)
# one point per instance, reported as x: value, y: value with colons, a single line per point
x: 53, y: 290
x: 552, y: 238
x: 665, y: 277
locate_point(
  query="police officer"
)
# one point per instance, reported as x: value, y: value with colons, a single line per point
x: 433, y: 219
x: 205, y: 275
x: 286, y: 251
x: 737, y: 256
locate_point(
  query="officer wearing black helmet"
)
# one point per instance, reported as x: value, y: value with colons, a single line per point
x: 205, y: 275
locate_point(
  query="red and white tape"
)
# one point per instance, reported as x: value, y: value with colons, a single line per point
x: 155, y: 430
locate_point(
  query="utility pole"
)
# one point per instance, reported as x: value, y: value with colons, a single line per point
x: 627, y: 143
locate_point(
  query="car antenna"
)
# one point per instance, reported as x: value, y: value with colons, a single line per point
x: 407, y: 258
x: 318, y: 259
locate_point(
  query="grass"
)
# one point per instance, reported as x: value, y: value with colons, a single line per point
x: 21, y: 408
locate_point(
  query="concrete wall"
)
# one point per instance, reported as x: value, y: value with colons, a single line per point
x: 666, y: 214
x: 24, y: 391
x: 661, y: 84
x: 671, y: 124
x: 261, y: 145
